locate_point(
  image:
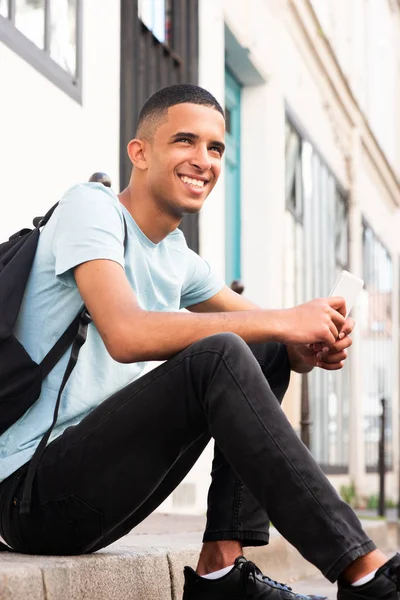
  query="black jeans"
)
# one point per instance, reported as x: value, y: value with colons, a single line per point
x: 105, y: 475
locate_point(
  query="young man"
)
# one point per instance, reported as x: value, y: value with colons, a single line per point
x: 124, y: 441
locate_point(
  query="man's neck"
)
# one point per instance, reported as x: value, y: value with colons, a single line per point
x: 155, y: 224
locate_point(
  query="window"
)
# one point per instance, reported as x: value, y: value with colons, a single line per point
x: 316, y: 250
x: 47, y: 33
x: 4, y: 8
x: 156, y: 15
x: 377, y: 345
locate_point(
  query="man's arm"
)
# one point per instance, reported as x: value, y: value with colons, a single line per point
x: 302, y: 358
x: 132, y: 334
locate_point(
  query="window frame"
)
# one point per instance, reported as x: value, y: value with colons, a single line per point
x: 40, y: 58
x: 322, y: 166
x: 389, y: 453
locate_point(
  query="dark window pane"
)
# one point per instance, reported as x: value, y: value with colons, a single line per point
x: 63, y: 34
x: 293, y: 171
x: 29, y: 19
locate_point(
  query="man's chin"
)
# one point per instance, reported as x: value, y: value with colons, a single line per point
x: 192, y: 210
x: 191, y: 207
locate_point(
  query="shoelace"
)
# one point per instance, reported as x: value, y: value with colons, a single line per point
x: 250, y: 570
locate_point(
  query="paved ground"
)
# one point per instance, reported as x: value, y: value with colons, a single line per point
x: 158, y: 523
x: 316, y: 585
x: 392, y: 514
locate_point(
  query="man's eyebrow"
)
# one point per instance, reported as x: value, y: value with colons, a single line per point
x: 186, y: 134
x: 193, y: 136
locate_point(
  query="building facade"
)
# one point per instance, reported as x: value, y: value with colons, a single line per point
x: 310, y: 184
x: 311, y: 187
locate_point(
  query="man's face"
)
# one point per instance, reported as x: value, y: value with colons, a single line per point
x: 184, y: 158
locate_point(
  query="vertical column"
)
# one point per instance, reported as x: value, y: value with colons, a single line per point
x: 263, y: 192
x: 212, y: 77
x: 356, y: 438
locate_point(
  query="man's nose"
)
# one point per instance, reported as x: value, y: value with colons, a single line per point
x: 201, y: 159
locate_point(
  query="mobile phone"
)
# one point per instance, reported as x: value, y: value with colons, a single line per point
x: 348, y: 286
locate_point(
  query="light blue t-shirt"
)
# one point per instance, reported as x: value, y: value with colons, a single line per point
x: 87, y: 225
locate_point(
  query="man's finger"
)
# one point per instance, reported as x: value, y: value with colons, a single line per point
x: 334, y: 331
x: 348, y: 326
x: 338, y: 319
x: 331, y: 367
x: 338, y: 303
x: 338, y: 346
x: 332, y: 358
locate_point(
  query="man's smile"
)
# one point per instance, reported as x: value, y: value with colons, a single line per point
x: 197, y: 184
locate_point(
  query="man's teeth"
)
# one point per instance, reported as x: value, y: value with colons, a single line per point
x: 197, y: 182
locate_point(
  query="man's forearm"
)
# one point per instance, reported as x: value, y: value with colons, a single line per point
x: 158, y: 335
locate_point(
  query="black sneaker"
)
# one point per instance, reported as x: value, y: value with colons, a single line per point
x: 245, y: 580
x: 384, y: 586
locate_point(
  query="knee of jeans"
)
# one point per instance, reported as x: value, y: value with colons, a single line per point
x: 226, y: 342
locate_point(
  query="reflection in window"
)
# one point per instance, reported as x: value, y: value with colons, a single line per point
x: 156, y: 15
x: 316, y: 250
x: 377, y: 344
x: 4, y: 8
x: 29, y: 19
x: 63, y: 34
x: 51, y: 25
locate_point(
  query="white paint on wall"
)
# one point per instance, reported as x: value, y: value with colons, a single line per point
x: 48, y: 141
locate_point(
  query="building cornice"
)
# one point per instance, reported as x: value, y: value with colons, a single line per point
x: 325, y: 57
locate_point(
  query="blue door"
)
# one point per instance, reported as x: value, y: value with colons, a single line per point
x: 232, y: 178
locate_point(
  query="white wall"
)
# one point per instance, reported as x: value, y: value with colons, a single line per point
x: 365, y: 36
x: 48, y: 141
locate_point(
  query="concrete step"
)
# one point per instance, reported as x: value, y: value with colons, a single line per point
x: 147, y: 564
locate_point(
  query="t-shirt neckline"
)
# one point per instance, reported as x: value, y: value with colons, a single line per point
x: 143, y: 237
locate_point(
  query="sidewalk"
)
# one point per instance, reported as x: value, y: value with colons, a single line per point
x: 146, y: 564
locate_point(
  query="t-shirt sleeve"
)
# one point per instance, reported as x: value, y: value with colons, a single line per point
x: 200, y: 283
x: 90, y: 226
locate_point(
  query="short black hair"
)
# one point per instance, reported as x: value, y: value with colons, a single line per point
x: 158, y: 104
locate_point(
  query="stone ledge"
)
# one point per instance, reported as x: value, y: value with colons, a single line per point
x: 141, y: 567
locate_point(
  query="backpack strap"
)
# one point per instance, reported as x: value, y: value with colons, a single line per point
x: 80, y: 338
x: 41, y: 221
x: 76, y: 333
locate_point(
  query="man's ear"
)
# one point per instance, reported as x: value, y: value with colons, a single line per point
x: 137, y: 153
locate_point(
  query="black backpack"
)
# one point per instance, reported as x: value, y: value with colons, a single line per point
x: 20, y: 377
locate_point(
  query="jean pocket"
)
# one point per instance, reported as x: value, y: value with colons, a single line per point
x: 64, y: 526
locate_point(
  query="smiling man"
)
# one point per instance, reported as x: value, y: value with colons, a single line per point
x: 123, y: 440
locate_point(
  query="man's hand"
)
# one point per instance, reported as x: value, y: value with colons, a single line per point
x: 330, y: 358
x: 320, y: 320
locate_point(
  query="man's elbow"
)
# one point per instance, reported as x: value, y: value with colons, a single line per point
x: 121, y: 353
x: 123, y: 346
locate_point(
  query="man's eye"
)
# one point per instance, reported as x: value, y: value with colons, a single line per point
x: 216, y: 149
x: 184, y: 139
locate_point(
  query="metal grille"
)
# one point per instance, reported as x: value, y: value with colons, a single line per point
x: 377, y: 345
x: 148, y: 65
x: 316, y: 250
